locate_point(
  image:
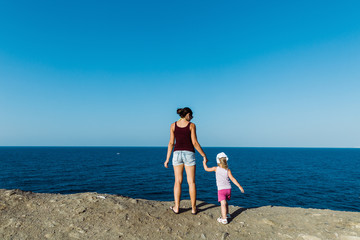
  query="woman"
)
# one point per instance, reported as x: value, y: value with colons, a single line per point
x: 183, y: 134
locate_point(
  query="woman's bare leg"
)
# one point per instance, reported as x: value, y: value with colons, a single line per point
x: 178, y: 172
x: 190, y: 174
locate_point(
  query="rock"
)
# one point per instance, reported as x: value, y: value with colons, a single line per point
x: 27, y: 215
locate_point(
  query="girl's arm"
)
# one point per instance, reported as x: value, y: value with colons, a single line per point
x: 171, y: 144
x: 234, y: 181
x: 213, y: 169
x: 195, y: 141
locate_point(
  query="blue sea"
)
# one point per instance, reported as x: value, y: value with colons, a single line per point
x: 324, y: 178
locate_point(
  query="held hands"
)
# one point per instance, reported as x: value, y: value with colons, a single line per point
x: 205, y: 159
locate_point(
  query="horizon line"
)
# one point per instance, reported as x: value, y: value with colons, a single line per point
x: 110, y: 146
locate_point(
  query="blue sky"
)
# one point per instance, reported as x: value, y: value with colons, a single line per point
x: 255, y: 73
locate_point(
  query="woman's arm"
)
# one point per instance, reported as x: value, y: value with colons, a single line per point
x: 213, y: 169
x: 195, y: 141
x: 234, y: 181
x: 171, y: 144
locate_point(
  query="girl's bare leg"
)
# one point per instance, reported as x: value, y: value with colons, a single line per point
x: 223, y: 209
x: 178, y: 172
x: 190, y: 174
x: 227, y: 208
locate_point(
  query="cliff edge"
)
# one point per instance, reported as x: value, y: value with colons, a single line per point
x: 27, y: 215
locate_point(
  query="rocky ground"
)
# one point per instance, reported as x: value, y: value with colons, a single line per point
x: 27, y: 215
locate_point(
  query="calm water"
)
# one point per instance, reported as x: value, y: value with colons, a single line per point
x: 294, y: 177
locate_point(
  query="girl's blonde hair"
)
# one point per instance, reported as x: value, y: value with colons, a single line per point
x: 223, y: 163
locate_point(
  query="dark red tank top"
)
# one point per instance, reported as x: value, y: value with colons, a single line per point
x: 183, y: 139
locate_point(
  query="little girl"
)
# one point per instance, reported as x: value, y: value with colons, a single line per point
x: 223, y: 174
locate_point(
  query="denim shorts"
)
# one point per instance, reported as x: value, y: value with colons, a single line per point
x: 183, y: 157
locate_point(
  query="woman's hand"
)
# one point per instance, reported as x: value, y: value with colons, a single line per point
x: 205, y: 159
x: 166, y: 163
x: 241, y: 189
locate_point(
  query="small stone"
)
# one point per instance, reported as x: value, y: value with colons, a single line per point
x: 349, y: 238
x: 9, y: 193
x: 269, y: 222
x: 308, y: 237
x: 285, y: 236
x: 49, y: 224
x: 168, y: 229
x: 91, y: 198
x: 224, y: 236
x: 2, y: 206
x: 74, y: 235
x: 354, y: 225
x: 203, y: 236
x: 48, y: 235
x: 11, y: 221
x: 120, y: 207
x: 316, y: 215
x: 80, y: 210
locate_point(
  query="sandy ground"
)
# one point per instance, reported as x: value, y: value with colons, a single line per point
x: 27, y: 215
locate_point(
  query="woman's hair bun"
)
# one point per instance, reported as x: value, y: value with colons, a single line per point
x: 184, y: 111
x: 179, y: 111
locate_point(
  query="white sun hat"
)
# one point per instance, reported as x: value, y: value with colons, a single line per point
x: 221, y: 155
